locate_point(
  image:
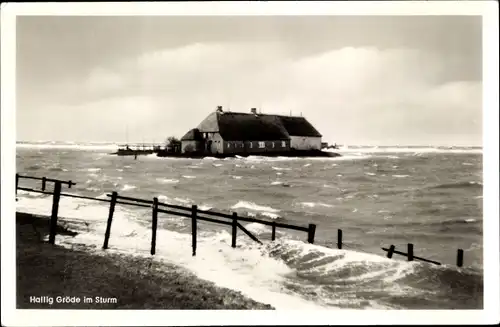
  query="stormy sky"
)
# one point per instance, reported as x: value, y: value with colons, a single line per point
x: 358, y: 79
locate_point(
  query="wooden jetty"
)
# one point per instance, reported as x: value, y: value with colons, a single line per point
x: 137, y: 149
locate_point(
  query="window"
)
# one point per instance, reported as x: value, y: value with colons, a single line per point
x: 283, y: 144
x: 262, y: 145
x: 251, y: 145
x: 228, y: 145
x: 273, y: 145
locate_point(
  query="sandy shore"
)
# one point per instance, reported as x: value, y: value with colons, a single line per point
x: 107, y: 280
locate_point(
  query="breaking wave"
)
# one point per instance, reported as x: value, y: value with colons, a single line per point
x: 253, y: 206
x: 470, y: 184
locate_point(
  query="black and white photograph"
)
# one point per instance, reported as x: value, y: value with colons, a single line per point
x: 264, y: 160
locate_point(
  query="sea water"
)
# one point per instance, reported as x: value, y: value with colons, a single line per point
x: 428, y: 196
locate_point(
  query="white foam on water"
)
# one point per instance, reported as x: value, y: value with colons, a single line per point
x: 393, y: 157
x: 349, y: 157
x: 270, y: 215
x: 257, y: 228
x: 307, y: 165
x: 152, y: 156
x: 210, y: 158
x: 400, y: 176
x: 188, y: 176
x: 185, y: 201
x: 281, y: 168
x: 370, y: 174
x: 253, y: 206
x: 193, y: 167
x: 118, y: 169
x: 315, y: 204
x: 216, y: 165
x: 163, y: 198
x: 167, y: 181
x: 470, y: 220
x: 236, y: 177
x: 467, y: 164
x: 276, y: 183
x: 205, y: 207
x: 278, y: 173
x: 127, y: 187
x: 94, y: 169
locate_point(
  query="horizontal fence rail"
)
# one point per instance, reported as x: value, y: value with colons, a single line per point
x: 193, y: 213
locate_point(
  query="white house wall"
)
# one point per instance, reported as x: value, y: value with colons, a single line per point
x: 305, y: 143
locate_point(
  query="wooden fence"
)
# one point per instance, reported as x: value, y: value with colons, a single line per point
x: 195, y: 215
x: 192, y: 212
x: 409, y: 254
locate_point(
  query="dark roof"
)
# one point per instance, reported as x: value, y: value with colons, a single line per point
x: 192, y: 135
x: 235, y: 126
x: 298, y: 126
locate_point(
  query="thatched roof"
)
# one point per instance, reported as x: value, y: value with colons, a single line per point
x: 192, y: 135
x: 235, y: 126
x: 298, y: 126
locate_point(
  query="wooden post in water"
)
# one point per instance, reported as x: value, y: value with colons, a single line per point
x: 310, y: 233
x: 112, y: 205
x: 234, y: 229
x: 55, y: 208
x: 17, y: 182
x: 44, y: 183
x: 410, y: 252
x: 155, y: 224
x: 194, y: 210
x: 69, y: 184
x: 339, y: 238
x: 273, y: 232
x: 460, y: 257
x: 391, y: 251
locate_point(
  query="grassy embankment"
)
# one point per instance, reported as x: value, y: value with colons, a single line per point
x: 136, y: 283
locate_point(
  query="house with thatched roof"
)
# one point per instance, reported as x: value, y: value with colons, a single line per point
x: 246, y: 133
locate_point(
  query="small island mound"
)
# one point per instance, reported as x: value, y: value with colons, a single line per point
x: 225, y: 134
x: 292, y: 153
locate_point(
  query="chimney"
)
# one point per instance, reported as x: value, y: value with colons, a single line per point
x: 254, y: 111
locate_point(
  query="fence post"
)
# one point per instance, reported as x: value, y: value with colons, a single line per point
x: 17, y: 182
x: 391, y: 251
x: 339, y: 238
x: 235, y: 229
x: 273, y: 232
x: 110, y: 218
x: 310, y: 233
x: 69, y: 184
x: 155, y: 224
x: 44, y: 183
x: 55, y: 208
x: 460, y: 257
x: 410, y: 252
x: 194, y: 209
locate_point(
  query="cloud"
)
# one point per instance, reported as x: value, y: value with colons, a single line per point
x: 353, y: 95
